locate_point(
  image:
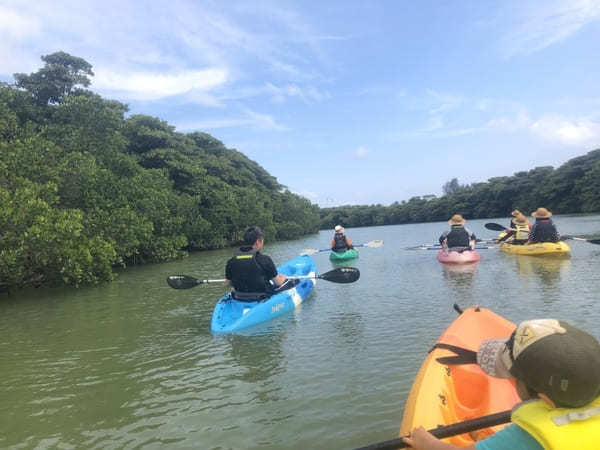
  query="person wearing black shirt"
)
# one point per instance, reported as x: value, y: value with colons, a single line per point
x: 250, y: 273
x: 543, y: 230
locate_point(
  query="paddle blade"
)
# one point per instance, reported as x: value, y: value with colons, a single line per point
x: 341, y: 275
x: 594, y: 241
x: 309, y: 251
x: 182, y: 281
x: 374, y: 244
x: 495, y: 227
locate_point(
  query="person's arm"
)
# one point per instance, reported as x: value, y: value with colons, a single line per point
x: 349, y: 242
x: 421, y: 439
x: 443, y: 239
x: 332, y: 243
x: 228, y: 275
x: 270, y: 270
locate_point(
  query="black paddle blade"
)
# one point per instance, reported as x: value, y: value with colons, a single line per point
x: 594, y: 241
x: 182, y: 281
x: 341, y: 275
x: 495, y: 226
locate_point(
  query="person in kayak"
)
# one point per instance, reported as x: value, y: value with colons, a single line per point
x: 252, y: 274
x: 557, y: 371
x: 519, y: 234
x: 514, y: 214
x: 543, y: 230
x: 458, y: 238
x: 340, y: 242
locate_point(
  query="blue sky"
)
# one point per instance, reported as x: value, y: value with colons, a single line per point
x: 345, y: 102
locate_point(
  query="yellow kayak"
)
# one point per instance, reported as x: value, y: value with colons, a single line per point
x: 538, y: 249
x: 447, y: 393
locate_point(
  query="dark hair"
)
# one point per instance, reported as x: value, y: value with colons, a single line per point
x: 253, y: 234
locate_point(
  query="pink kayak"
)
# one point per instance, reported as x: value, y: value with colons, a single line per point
x: 451, y: 257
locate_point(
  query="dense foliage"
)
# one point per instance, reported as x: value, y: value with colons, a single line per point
x: 84, y: 189
x: 572, y: 188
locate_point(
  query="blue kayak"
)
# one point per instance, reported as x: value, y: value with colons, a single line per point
x: 231, y: 315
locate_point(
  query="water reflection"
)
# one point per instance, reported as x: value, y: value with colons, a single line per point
x: 548, y: 270
x: 459, y: 281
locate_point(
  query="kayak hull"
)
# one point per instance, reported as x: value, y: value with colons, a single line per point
x: 559, y: 248
x: 231, y: 315
x: 343, y: 256
x: 468, y: 256
x: 446, y: 394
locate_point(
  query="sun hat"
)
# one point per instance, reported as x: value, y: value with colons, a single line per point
x: 457, y: 219
x: 338, y: 228
x: 515, y: 213
x: 541, y: 213
x: 551, y: 357
x: 520, y: 219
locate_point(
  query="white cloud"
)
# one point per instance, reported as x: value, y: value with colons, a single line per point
x: 361, y: 152
x: 579, y: 131
x: 548, y: 23
x: 153, y: 86
x: 249, y: 119
x: 16, y: 26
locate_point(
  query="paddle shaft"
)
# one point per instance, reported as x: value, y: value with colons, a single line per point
x: 449, y: 430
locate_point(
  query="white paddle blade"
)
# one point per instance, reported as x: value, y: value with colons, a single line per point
x: 374, y: 244
x: 308, y: 251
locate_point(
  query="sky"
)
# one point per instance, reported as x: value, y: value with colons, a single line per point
x: 345, y: 102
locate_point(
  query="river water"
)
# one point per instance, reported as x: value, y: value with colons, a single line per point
x: 132, y: 363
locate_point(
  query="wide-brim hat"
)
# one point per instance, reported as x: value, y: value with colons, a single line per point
x: 550, y: 357
x: 515, y: 213
x: 457, y: 219
x: 521, y: 219
x: 541, y: 213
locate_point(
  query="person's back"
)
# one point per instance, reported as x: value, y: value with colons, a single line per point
x: 458, y: 237
x: 249, y: 271
x: 543, y: 230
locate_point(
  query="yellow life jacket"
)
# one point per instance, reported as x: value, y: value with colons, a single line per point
x: 522, y: 233
x: 560, y: 428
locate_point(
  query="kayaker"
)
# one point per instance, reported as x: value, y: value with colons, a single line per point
x: 250, y: 271
x: 543, y: 230
x: 340, y: 242
x: 557, y: 372
x: 514, y: 214
x: 519, y: 234
x: 458, y: 237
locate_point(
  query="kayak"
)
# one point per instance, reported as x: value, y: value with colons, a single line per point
x: 451, y: 257
x: 538, y: 249
x: 444, y: 394
x: 343, y: 256
x: 231, y: 315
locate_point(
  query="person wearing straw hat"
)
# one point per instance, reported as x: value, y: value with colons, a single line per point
x: 543, y: 230
x: 514, y: 214
x: 458, y: 237
x: 556, y: 367
x: 519, y: 234
x: 340, y: 242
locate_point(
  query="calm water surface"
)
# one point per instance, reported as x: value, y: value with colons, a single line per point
x: 132, y: 364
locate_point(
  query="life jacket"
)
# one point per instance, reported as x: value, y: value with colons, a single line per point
x: 458, y: 237
x: 248, y: 277
x: 340, y: 244
x: 560, y: 428
x: 522, y: 233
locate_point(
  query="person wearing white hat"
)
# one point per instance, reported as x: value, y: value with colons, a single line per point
x: 340, y: 242
x: 557, y: 371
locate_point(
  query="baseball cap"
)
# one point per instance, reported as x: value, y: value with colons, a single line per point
x: 551, y: 357
x: 338, y: 228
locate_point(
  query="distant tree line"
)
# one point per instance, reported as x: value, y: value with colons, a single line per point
x: 572, y: 188
x: 83, y: 188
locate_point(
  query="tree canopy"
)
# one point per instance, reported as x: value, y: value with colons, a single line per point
x: 85, y: 188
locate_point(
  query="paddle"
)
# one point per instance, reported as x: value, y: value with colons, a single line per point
x: 448, y: 430
x: 497, y: 227
x: 438, y: 246
x: 312, y: 251
x: 339, y: 275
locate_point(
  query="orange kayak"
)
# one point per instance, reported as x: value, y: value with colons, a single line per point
x: 444, y: 394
